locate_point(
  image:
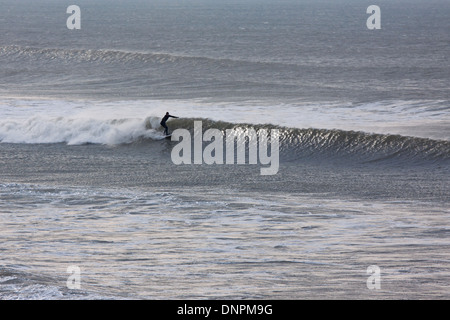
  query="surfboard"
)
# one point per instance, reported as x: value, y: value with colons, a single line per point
x: 162, y: 136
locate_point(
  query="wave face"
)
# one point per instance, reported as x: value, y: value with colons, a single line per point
x: 295, y: 144
x: 365, y: 147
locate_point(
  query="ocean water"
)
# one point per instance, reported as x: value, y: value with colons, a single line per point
x: 87, y: 179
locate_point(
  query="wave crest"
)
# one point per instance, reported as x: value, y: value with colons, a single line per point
x: 339, y: 144
x: 295, y: 144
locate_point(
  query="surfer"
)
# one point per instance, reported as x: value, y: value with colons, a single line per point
x: 163, y: 123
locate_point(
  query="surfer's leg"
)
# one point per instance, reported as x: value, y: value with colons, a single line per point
x: 166, y: 129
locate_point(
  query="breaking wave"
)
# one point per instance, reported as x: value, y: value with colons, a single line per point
x: 294, y: 143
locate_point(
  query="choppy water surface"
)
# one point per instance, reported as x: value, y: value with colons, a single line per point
x: 87, y: 180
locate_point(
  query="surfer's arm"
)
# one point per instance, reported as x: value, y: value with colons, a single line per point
x: 173, y: 116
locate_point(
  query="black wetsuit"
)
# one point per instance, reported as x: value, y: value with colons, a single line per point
x: 163, y: 123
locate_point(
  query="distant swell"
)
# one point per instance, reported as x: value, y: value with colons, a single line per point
x: 17, y: 53
x: 110, y: 73
x: 295, y: 144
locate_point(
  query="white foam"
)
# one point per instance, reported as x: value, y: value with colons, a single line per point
x: 40, y: 121
x: 79, y: 122
x: 73, y: 131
